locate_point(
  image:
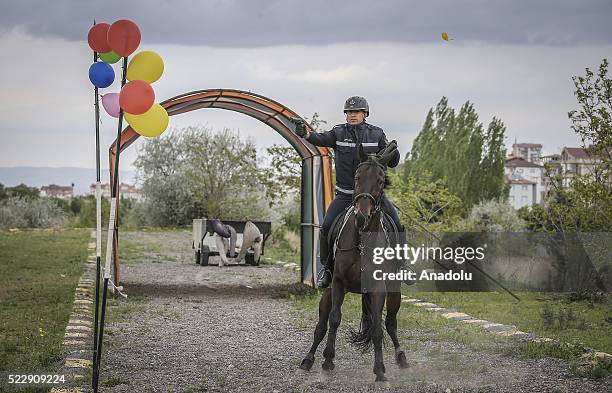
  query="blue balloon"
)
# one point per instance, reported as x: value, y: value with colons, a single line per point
x: 101, y: 74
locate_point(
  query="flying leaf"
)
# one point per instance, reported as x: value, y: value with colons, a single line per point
x: 445, y: 36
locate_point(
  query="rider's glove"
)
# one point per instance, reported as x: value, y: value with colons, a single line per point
x: 300, y: 127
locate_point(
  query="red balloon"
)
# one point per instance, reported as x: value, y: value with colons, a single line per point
x: 124, y: 37
x: 136, y: 97
x: 97, y: 38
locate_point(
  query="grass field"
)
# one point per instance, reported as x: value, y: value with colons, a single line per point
x: 39, y: 271
x: 283, y: 246
x: 591, y: 324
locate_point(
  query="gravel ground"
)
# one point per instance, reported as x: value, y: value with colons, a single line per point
x: 211, y: 329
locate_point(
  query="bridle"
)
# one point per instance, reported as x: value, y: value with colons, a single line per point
x: 377, y: 202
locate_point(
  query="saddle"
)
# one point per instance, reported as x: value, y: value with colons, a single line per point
x: 340, y: 222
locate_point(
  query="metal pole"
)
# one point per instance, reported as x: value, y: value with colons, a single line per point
x: 112, y: 232
x: 469, y: 262
x: 98, y: 228
x: 101, y: 332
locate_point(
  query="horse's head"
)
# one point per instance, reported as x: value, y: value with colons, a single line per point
x: 370, y: 180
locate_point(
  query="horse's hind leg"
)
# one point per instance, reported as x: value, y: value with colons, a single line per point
x: 394, y: 301
x: 335, y: 316
x: 324, y: 309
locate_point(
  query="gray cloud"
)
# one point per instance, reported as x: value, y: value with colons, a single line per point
x: 46, y: 111
x: 256, y: 23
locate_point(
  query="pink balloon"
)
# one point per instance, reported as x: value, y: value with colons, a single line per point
x: 110, y: 102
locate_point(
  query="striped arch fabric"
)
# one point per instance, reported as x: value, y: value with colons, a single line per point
x: 316, y: 188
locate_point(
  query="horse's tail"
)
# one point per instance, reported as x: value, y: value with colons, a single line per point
x: 362, y: 339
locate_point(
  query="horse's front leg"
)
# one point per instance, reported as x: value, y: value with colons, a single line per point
x: 394, y: 301
x: 325, y: 305
x: 335, y: 317
x: 378, y: 302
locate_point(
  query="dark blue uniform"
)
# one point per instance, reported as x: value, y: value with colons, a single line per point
x: 345, y: 140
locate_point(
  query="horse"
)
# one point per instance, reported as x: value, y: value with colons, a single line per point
x: 224, y: 246
x: 251, y: 239
x: 365, y: 216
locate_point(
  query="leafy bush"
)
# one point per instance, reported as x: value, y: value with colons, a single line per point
x: 18, y: 212
x: 425, y: 203
x: 494, y: 216
x: 87, y: 213
x: 590, y: 295
x: 292, y: 217
x: 130, y: 213
x: 564, y: 318
x: 548, y: 316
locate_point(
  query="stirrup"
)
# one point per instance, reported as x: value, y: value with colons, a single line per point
x: 324, y: 278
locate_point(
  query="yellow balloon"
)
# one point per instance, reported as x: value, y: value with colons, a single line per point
x: 146, y: 66
x: 151, y: 123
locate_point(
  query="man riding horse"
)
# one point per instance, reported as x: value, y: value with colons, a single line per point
x: 346, y: 139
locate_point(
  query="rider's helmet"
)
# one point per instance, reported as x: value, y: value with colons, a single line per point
x: 357, y: 103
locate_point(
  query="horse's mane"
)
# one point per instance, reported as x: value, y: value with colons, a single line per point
x: 374, y: 159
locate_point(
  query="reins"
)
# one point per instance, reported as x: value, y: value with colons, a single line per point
x: 377, y: 202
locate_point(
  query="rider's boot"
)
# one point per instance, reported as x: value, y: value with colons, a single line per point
x: 403, y: 263
x: 324, y: 277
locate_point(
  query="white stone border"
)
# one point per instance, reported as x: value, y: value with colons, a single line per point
x: 288, y: 265
x: 78, y: 337
x: 495, y: 328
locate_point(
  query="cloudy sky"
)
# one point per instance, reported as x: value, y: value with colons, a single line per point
x: 512, y: 59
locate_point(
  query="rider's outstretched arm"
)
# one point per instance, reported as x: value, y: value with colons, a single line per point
x: 327, y: 139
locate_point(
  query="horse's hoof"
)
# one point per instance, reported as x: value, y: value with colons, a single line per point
x: 328, y: 365
x: 381, y: 378
x: 306, y: 364
x: 400, y: 358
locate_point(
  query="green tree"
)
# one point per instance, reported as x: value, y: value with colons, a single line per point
x: 87, y: 213
x: 23, y: 191
x: 223, y: 174
x: 425, y: 203
x: 161, y: 169
x: 282, y: 177
x: 316, y: 122
x: 454, y: 148
x: 593, y: 120
x: 586, y: 205
x: 194, y: 172
x: 75, y: 205
x: 591, y: 194
x: 492, y: 164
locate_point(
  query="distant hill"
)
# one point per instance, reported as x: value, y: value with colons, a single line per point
x: 63, y: 176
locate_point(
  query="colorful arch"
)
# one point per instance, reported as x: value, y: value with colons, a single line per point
x: 316, y: 187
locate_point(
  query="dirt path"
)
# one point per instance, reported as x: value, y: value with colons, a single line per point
x: 209, y: 329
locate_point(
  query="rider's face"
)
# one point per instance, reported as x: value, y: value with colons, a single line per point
x: 355, y: 117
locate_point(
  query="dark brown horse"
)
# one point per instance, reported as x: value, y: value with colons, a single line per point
x: 352, y: 267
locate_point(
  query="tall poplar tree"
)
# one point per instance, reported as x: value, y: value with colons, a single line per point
x: 456, y: 149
